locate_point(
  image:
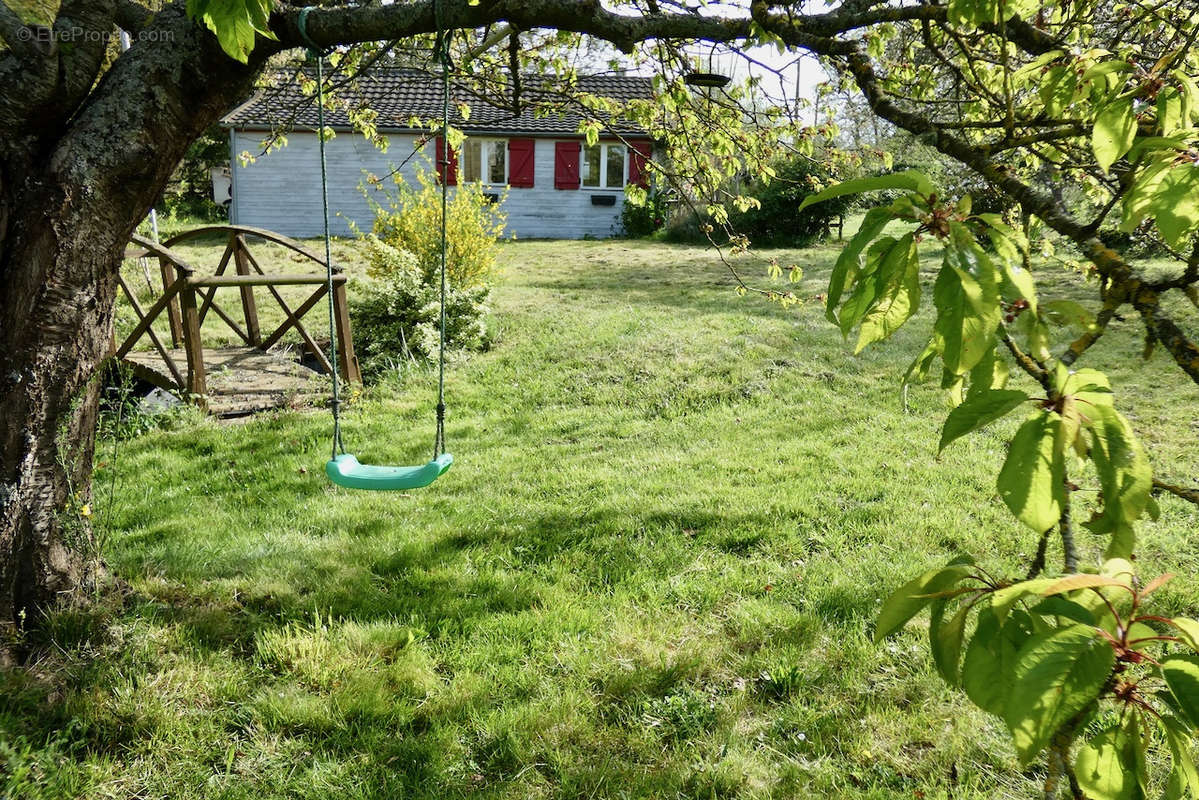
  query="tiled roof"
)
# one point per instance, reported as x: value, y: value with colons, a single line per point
x: 398, y: 95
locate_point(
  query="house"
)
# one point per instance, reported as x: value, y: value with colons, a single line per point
x: 559, y: 187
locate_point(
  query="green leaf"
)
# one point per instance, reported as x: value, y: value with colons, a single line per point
x: 1188, y: 630
x: 1124, y: 476
x: 909, y: 180
x: 918, y: 370
x: 1073, y: 583
x: 1106, y: 68
x: 1018, y: 281
x: 1113, y: 133
x: 1058, y: 606
x: 1089, y: 385
x: 1169, y: 110
x: 1068, y: 313
x: 978, y: 410
x: 849, y: 262
x: 898, y: 294
x: 992, y: 372
x: 945, y: 641
x: 866, y: 283
x: 1176, y: 203
x: 1058, y: 89
x: 1003, y: 599
x: 974, y: 12
x: 914, y: 595
x: 1139, y: 202
x: 966, y: 296
x: 1184, y: 774
x: 1057, y: 675
x: 1107, y: 765
x: 988, y: 669
x: 1181, y: 673
x: 1031, y: 481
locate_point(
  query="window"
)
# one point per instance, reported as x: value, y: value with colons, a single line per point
x: 485, y: 161
x: 604, y: 166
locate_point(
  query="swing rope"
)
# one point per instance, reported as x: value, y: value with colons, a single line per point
x: 343, y: 468
x: 441, y: 52
x: 319, y: 55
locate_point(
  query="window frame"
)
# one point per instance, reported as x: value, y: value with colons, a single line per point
x: 603, y: 167
x: 486, y: 143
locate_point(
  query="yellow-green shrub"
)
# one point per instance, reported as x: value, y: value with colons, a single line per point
x: 409, y: 219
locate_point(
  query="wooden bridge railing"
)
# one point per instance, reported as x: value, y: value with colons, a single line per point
x: 188, y: 297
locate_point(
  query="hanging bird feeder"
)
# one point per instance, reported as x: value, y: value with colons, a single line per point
x: 706, y: 80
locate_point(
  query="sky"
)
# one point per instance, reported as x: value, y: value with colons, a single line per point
x: 783, y: 75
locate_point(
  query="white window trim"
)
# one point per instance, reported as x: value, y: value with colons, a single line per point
x: 603, y: 169
x: 484, y: 168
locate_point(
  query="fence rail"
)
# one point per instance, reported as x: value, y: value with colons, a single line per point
x: 189, y: 294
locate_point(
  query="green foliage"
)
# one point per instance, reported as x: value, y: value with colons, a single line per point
x: 640, y: 219
x: 1032, y: 480
x: 189, y: 192
x: 409, y: 219
x: 1048, y: 656
x: 1106, y: 765
x: 781, y: 214
x: 1045, y: 666
x: 1114, y: 131
x: 978, y: 410
x: 1058, y: 674
x: 915, y: 596
x: 236, y: 23
x: 396, y: 311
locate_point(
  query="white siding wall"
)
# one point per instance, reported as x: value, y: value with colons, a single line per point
x: 282, y: 192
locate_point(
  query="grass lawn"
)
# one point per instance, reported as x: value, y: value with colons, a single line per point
x: 652, y: 572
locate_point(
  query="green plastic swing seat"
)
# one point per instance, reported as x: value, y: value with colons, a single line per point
x: 344, y: 470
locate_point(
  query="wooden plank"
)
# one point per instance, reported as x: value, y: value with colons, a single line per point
x: 240, y: 380
x: 220, y: 270
x: 292, y: 318
x: 249, y: 309
x: 167, y: 268
x: 346, y: 359
x: 232, y: 323
x: 162, y: 351
x: 154, y: 310
x: 218, y: 281
x: 196, y: 389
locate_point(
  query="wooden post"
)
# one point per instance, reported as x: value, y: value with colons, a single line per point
x: 249, y: 309
x: 196, y: 390
x: 168, y: 277
x: 347, y: 361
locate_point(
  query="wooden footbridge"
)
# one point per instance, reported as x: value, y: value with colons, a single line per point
x: 256, y: 375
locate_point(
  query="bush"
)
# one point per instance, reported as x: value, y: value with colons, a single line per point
x: 410, y: 219
x: 189, y: 192
x: 642, y: 220
x: 396, y: 311
x: 779, y: 220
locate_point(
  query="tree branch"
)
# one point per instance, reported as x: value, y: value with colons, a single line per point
x: 333, y: 26
x: 1191, y: 495
x: 1164, y: 329
x: 1111, y: 304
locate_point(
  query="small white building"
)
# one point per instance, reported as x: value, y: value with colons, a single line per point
x: 558, y: 186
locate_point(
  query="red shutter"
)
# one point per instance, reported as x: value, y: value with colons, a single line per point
x: 520, y: 170
x: 639, y: 154
x: 452, y: 172
x: 566, y: 165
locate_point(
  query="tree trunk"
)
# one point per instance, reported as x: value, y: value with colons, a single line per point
x: 71, y: 194
x: 55, y: 317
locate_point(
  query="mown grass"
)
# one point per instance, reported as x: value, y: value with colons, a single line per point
x: 652, y: 571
